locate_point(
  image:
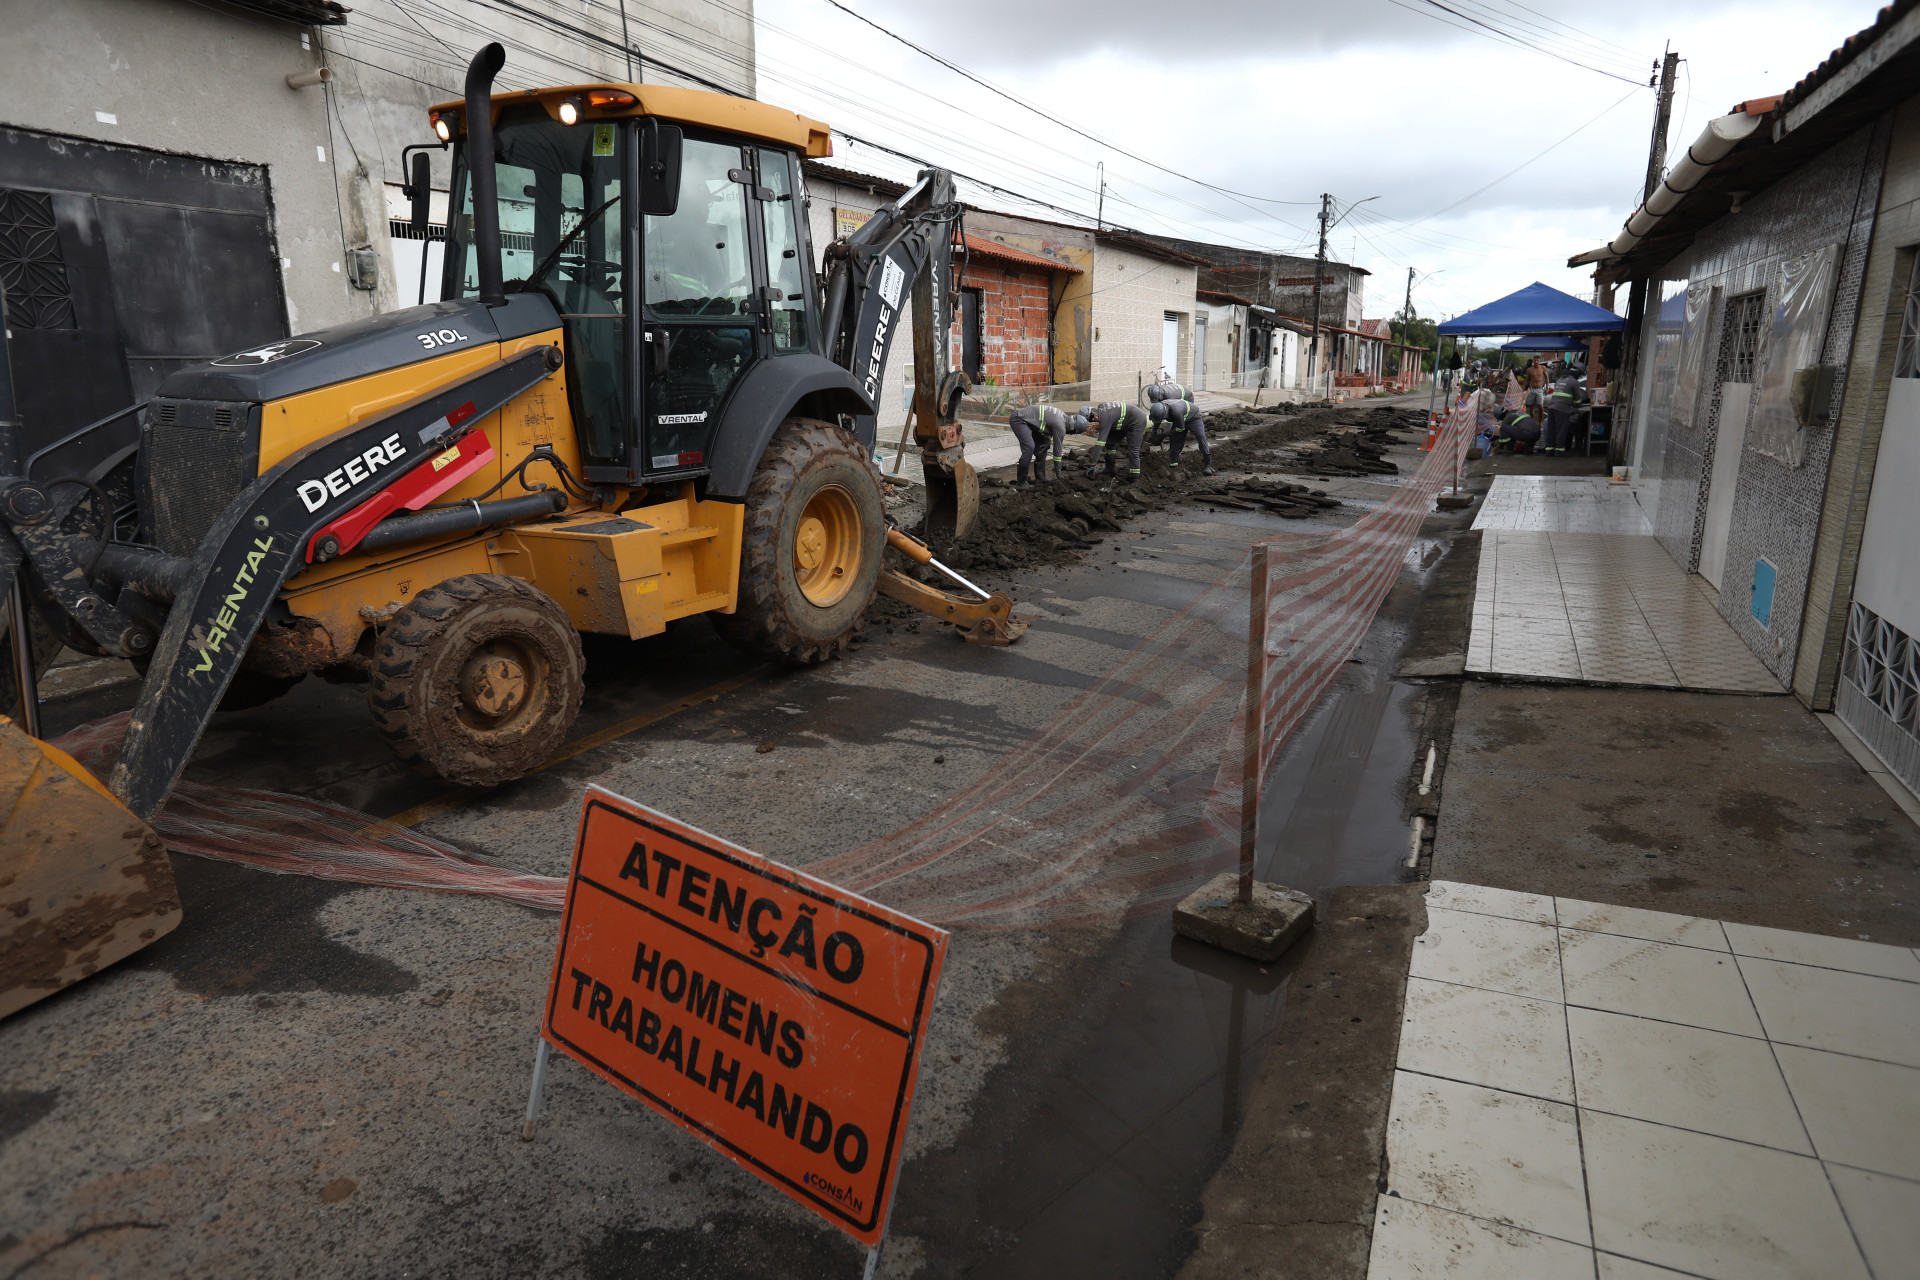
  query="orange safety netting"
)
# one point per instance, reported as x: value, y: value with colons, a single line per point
x: 1128, y: 797
x: 1131, y: 795
x: 298, y: 835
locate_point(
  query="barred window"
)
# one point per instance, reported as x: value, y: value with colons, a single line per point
x: 1907, y: 363
x: 32, y: 272
x: 1883, y: 663
x: 1744, y: 315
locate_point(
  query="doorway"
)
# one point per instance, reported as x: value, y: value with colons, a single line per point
x: 1741, y: 343
x: 1199, y: 352
x: 1170, y: 343
x: 973, y: 355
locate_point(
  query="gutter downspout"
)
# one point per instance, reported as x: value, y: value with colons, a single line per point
x: 1719, y: 138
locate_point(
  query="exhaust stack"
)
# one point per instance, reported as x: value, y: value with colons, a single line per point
x: 485, y: 66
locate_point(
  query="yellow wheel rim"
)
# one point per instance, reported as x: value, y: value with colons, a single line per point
x: 826, y: 547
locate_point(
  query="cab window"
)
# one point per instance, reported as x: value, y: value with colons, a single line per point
x: 786, y: 268
x: 562, y: 233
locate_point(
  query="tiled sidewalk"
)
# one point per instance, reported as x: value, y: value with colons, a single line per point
x: 1562, y: 504
x: 1595, y: 1091
x: 1604, y: 609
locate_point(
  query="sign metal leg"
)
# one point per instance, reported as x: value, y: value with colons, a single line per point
x: 539, y: 1086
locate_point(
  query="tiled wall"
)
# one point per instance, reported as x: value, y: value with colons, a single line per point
x: 1856, y: 445
x: 1776, y: 512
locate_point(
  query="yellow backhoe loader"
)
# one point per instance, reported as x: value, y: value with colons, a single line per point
x: 633, y: 403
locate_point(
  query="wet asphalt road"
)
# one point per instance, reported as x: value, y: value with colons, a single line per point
x: 312, y: 1079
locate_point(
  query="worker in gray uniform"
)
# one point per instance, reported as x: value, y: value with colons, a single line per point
x: 1182, y: 418
x: 1562, y: 411
x: 1158, y: 391
x: 1033, y: 426
x: 1110, y: 422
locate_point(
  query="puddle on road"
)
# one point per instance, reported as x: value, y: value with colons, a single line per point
x: 1100, y: 1157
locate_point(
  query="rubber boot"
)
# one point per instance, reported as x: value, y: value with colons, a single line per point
x: 1020, y: 480
x: 1113, y: 463
x: 1206, y: 464
x: 1133, y: 476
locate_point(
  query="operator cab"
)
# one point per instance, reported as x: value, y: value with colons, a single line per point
x: 714, y: 221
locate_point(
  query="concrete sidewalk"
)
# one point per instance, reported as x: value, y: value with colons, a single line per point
x: 1582, y: 1086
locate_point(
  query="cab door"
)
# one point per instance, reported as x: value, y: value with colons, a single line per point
x: 703, y: 289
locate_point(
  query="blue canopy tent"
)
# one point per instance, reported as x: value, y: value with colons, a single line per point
x: 1534, y: 309
x: 1544, y: 342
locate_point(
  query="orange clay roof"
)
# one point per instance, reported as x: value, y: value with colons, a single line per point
x: 684, y: 106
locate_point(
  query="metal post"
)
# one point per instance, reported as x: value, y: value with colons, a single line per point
x: 539, y: 1087
x: 626, y: 41
x: 11, y: 464
x: 27, y: 715
x: 1256, y: 717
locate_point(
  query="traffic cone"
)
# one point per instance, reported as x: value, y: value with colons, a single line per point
x: 1433, y: 432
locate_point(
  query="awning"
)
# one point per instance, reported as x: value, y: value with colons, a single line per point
x: 1534, y: 309
x: 985, y: 248
x: 1545, y: 342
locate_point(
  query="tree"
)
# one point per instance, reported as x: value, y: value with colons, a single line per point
x: 1413, y: 329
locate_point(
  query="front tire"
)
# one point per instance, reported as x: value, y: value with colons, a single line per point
x: 478, y: 680
x: 811, y: 541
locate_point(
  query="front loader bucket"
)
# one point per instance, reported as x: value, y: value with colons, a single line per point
x: 953, y: 499
x: 83, y: 882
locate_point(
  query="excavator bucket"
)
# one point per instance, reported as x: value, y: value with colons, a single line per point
x: 83, y: 882
x: 953, y: 499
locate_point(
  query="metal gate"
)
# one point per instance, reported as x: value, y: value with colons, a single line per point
x: 121, y: 265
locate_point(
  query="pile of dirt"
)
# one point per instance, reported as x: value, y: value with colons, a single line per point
x: 1289, y: 501
x: 1053, y: 521
x: 1358, y: 446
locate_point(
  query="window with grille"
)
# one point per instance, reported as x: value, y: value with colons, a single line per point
x: 1883, y: 663
x: 1744, y: 315
x: 1907, y: 363
x: 32, y: 271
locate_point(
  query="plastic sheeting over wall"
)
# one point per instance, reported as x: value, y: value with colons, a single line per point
x: 1791, y: 343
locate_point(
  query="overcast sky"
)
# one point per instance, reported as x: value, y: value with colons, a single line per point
x: 1281, y: 100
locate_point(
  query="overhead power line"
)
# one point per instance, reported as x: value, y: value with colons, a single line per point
x: 1494, y: 32
x: 995, y: 89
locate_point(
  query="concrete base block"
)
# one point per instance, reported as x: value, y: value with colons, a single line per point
x: 1262, y: 929
x: 1453, y: 501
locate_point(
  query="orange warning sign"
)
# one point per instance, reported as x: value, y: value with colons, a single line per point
x: 776, y: 1016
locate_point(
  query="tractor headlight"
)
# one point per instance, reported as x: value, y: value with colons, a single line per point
x: 443, y: 130
x: 570, y: 111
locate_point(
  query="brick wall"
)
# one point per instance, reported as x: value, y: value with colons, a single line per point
x: 1013, y: 322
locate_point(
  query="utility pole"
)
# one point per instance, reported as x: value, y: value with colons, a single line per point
x: 1662, y: 115
x: 1319, y: 270
x: 1406, y: 323
x: 1100, y: 218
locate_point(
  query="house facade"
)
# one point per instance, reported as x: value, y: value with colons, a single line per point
x: 1773, y: 331
x: 194, y: 178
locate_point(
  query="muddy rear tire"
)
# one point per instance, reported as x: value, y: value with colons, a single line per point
x: 478, y: 680
x: 810, y: 548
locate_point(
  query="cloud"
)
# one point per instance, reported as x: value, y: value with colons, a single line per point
x: 1289, y: 100
x: 1001, y: 33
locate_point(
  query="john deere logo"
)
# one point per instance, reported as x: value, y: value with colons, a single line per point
x: 269, y: 353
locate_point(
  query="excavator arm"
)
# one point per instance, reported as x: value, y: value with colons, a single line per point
x: 899, y: 258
